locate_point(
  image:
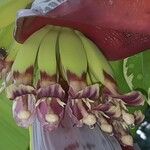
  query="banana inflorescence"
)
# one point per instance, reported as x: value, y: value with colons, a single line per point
x: 59, y: 70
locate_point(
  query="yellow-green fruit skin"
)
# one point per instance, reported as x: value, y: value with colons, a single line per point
x: 97, y: 63
x: 72, y: 53
x: 28, y: 51
x: 47, y: 53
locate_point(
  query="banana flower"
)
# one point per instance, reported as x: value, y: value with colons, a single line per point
x: 89, y: 95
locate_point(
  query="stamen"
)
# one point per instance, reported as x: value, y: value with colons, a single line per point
x: 88, y: 119
x: 60, y: 102
x: 87, y: 103
x: 116, y: 110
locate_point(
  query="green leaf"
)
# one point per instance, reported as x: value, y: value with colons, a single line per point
x: 137, y: 71
x: 123, y: 82
x: 117, y: 67
x: 12, y: 137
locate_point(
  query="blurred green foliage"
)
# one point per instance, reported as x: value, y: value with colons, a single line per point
x: 12, y: 137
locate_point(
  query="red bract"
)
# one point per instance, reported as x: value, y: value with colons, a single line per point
x: 119, y: 27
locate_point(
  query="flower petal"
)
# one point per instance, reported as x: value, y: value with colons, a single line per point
x: 134, y: 98
x: 74, y: 113
x: 50, y: 108
x: 54, y: 90
x: 43, y: 107
x: 19, y: 106
x: 117, y: 27
x: 14, y: 91
x: 91, y: 92
x: 69, y: 137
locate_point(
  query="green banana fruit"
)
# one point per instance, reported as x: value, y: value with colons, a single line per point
x: 72, y: 55
x: 88, y: 79
x: 28, y: 52
x: 97, y: 63
x: 8, y: 10
x: 47, y: 54
x: 93, y: 79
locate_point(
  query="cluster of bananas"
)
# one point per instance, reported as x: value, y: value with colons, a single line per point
x: 58, y: 70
